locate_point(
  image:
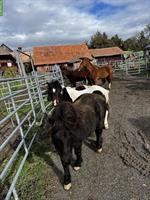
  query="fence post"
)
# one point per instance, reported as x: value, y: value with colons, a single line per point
x: 126, y: 69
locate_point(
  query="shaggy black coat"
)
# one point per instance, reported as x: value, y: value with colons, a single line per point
x: 72, y: 123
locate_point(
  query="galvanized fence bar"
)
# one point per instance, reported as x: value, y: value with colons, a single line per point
x: 129, y: 69
x: 27, y: 91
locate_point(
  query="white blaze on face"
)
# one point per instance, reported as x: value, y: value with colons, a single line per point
x: 54, y: 90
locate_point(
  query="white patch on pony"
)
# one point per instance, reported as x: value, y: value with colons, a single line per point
x: 76, y: 168
x: 74, y: 94
x: 54, y: 90
x: 67, y: 187
x: 106, y: 120
x: 55, y: 102
x: 99, y: 150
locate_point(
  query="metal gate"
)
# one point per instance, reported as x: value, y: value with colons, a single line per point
x: 22, y: 100
x: 131, y: 69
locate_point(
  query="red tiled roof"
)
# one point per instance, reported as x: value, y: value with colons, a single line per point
x: 43, y: 55
x: 106, y: 51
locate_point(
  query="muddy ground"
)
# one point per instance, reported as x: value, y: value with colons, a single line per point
x: 122, y: 170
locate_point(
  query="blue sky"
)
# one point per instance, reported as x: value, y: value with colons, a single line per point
x: 30, y: 23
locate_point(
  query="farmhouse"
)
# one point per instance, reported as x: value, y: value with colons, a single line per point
x: 111, y: 54
x: 46, y: 56
x: 7, y: 58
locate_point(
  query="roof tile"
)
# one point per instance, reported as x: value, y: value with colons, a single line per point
x: 106, y: 51
x: 59, y: 54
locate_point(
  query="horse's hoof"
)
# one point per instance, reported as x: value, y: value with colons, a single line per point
x: 67, y: 187
x: 99, y: 150
x: 106, y: 126
x: 76, y: 168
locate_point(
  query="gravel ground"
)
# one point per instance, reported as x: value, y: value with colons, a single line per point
x: 122, y: 170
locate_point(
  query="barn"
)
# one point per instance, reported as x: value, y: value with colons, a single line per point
x: 46, y: 56
x: 105, y: 55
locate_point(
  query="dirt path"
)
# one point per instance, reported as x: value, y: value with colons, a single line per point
x: 105, y: 176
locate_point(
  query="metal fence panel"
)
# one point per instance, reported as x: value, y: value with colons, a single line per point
x: 24, y: 99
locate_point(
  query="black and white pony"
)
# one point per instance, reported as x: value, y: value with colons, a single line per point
x: 58, y: 93
x: 71, y: 124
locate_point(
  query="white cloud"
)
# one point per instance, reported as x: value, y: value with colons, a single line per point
x: 44, y: 22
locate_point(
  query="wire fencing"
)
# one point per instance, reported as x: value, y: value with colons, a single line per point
x: 23, y: 99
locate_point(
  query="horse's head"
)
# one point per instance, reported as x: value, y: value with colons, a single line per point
x: 54, y: 92
x: 84, y: 63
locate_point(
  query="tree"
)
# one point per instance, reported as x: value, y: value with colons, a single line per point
x: 141, y: 40
x: 100, y: 40
x: 131, y: 44
x: 116, y: 41
x: 147, y: 31
x: 136, y: 42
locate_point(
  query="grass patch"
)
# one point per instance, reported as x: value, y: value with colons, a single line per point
x: 10, y: 72
x: 36, y: 180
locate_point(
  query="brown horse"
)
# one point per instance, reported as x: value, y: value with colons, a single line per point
x: 76, y: 75
x: 96, y: 72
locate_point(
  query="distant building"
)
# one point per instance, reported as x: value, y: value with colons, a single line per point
x: 7, y: 58
x: 107, y: 55
x: 46, y: 56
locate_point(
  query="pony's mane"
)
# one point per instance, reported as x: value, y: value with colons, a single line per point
x: 65, y: 115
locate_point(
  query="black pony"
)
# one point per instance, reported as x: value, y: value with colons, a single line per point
x: 71, y: 124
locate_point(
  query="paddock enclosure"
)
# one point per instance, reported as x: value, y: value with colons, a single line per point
x: 131, y: 69
x: 31, y: 169
x: 22, y: 104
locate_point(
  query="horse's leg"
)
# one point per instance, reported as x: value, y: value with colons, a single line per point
x: 99, y: 139
x: 78, y: 148
x: 67, y: 176
x: 109, y: 81
x: 90, y: 81
x: 106, y: 117
x: 86, y: 81
x: 96, y: 81
x: 103, y: 81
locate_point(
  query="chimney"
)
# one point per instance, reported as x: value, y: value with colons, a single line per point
x: 20, y: 48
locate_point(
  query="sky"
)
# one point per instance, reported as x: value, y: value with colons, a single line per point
x: 28, y: 23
